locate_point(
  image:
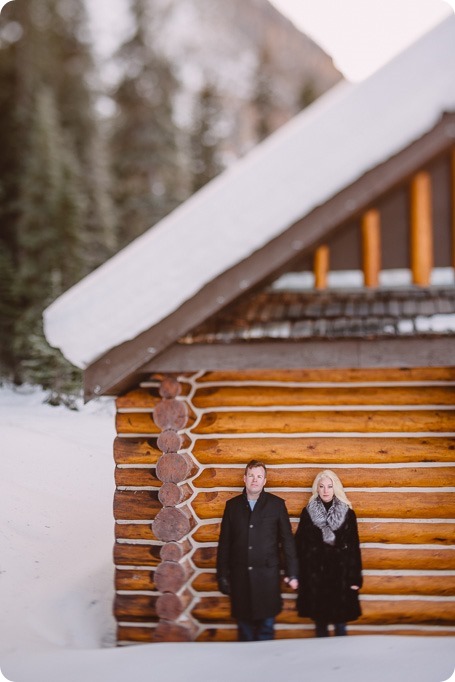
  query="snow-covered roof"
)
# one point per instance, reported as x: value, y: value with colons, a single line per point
x: 348, y: 131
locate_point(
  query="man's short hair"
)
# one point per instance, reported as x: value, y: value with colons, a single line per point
x: 252, y: 464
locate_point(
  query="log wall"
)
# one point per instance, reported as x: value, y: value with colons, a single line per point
x: 181, y: 448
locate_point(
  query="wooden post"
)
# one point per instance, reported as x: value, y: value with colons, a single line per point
x: 421, y: 229
x: 321, y: 266
x: 452, y: 198
x: 371, y: 247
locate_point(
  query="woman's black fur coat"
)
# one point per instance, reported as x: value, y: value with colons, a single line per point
x: 327, y: 572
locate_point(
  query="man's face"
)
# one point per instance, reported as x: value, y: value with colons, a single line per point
x: 254, y: 482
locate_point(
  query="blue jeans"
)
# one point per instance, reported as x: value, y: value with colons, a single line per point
x: 256, y: 630
x: 322, y: 629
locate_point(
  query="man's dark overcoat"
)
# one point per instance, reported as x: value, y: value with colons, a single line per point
x: 327, y: 572
x: 250, y: 548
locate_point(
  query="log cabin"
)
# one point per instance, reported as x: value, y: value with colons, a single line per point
x: 299, y: 309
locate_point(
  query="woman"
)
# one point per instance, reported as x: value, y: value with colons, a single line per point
x: 329, y: 555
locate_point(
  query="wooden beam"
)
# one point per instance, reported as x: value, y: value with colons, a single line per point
x: 321, y: 266
x: 421, y: 229
x: 452, y: 196
x: 314, y: 353
x: 371, y: 247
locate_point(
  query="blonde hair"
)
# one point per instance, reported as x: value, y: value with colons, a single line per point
x: 337, y: 486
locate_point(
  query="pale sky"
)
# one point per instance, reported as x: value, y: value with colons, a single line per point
x: 360, y: 35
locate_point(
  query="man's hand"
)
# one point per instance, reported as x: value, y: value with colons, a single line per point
x: 224, y: 586
x: 292, y: 582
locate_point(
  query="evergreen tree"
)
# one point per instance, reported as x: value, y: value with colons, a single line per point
x: 204, y: 141
x: 145, y: 139
x: 57, y: 223
x: 263, y: 99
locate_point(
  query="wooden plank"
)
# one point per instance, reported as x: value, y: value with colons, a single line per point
x: 135, y: 608
x: 137, y: 477
x: 394, y: 611
x: 330, y: 421
x: 421, y: 229
x: 139, y: 505
x: 324, y: 450
x: 371, y: 247
x: 136, y: 555
x: 424, y: 505
x: 357, y: 477
x: 134, y: 531
x: 134, y: 579
x: 333, y: 375
x: 269, y: 396
x: 443, y: 585
x: 387, y: 532
x: 372, y: 558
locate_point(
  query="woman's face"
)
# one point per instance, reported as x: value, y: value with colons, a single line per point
x: 325, y: 489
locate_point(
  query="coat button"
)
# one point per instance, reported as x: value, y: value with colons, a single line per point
x: 251, y: 525
x: 250, y: 568
x: 250, y: 547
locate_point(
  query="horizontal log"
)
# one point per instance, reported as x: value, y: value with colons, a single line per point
x: 424, y: 505
x: 329, y: 421
x: 269, y: 396
x: 370, y: 531
x: 136, y: 555
x: 171, y: 494
x: 134, y: 531
x: 182, y: 631
x: 171, y: 414
x: 381, y: 611
x: 211, y: 634
x: 136, y: 504
x: 170, y: 606
x: 324, y: 450
x: 386, y: 558
x: 174, y: 467
x: 134, y: 579
x: 214, y: 634
x: 137, y: 477
x: 434, y: 585
x: 356, y: 477
x: 173, y: 524
x: 135, y: 634
x: 141, y: 398
x: 171, y: 576
x: 175, y: 551
x: 136, y: 451
x: 431, y: 585
x: 135, y: 607
x: 136, y: 422
x: 336, y: 375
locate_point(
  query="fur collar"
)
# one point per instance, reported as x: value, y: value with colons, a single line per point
x: 328, y: 521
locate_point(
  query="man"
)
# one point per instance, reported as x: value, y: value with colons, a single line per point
x: 254, y: 530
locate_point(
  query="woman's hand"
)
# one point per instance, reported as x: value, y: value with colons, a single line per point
x: 354, y: 587
x: 292, y: 582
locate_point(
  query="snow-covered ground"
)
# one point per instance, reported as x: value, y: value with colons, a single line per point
x: 56, y: 576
